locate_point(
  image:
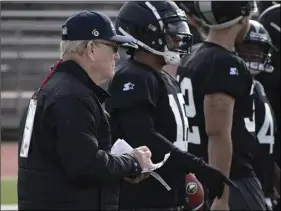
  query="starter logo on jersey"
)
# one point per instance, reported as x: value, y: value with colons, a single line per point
x: 233, y: 71
x: 128, y: 86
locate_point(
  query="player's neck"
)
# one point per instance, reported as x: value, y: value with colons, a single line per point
x: 149, y: 60
x: 226, y: 39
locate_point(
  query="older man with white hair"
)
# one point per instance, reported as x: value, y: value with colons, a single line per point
x: 63, y: 156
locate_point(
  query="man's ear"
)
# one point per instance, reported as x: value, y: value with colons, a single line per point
x: 91, y: 50
x: 91, y: 47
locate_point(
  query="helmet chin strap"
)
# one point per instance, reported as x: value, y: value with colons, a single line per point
x: 170, y: 57
x: 255, y: 68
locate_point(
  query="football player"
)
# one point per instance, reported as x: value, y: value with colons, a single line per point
x: 270, y: 19
x: 216, y: 85
x: 256, y: 51
x: 147, y: 107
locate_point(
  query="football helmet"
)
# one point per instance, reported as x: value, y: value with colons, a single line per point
x: 189, y: 8
x: 256, y: 49
x: 198, y: 29
x: 223, y: 14
x: 159, y: 27
x: 270, y: 19
x: 263, y: 5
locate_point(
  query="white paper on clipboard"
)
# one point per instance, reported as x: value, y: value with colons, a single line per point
x: 28, y: 128
x: 121, y: 147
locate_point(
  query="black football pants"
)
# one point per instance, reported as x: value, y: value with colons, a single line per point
x: 249, y: 197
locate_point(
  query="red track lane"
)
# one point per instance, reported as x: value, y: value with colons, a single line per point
x: 9, y: 161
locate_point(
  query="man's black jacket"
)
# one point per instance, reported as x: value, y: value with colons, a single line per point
x: 68, y: 166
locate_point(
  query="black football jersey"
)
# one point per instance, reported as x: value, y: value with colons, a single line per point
x: 209, y: 70
x: 270, y: 19
x: 271, y: 84
x: 135, y: 84
x: 265, y: 131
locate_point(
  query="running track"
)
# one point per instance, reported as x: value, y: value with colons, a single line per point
x: 9, y: 162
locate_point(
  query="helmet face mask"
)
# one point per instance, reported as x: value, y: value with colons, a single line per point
x: 178, y: 37
x: 257, y: 57
x: 256, y: 49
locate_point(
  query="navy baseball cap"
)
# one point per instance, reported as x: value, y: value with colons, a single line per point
x: 89, y: 25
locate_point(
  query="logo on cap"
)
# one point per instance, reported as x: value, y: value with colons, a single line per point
x: 95, y: 33
x: 64, y: 30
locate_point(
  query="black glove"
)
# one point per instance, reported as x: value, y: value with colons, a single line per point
x: 214, y: 181
x: 276, y: 205
x: 212, y: 178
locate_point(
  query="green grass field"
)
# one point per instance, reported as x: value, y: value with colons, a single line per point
x: 9, y: 191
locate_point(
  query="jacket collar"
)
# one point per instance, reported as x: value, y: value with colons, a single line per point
x: 74, y: 69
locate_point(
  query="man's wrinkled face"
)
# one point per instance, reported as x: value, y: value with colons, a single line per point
x: 103, y: 56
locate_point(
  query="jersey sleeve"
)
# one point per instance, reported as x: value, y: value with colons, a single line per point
x: 229, y: 76
x: 130, y: 89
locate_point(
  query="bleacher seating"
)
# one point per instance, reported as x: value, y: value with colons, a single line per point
x: 30, y: 36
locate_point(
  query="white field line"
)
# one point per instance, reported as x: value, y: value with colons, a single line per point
x: 9, y: 207
x: 8, y: 178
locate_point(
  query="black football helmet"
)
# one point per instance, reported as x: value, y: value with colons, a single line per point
x: 159, y: 27
x: 256, y: 49
x: 188, y: 7
x: 263, y: 5
x: 198, y: 29
x: 270, y: 19
x: 223, y: 14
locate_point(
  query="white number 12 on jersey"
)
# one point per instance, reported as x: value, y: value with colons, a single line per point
x: 182, y: 126
x: 190, y: 110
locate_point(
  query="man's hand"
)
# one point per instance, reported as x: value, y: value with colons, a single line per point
x: 219, y: 205
x: 137, y: 179
x: 143, y: 155
x: 215, y: 181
